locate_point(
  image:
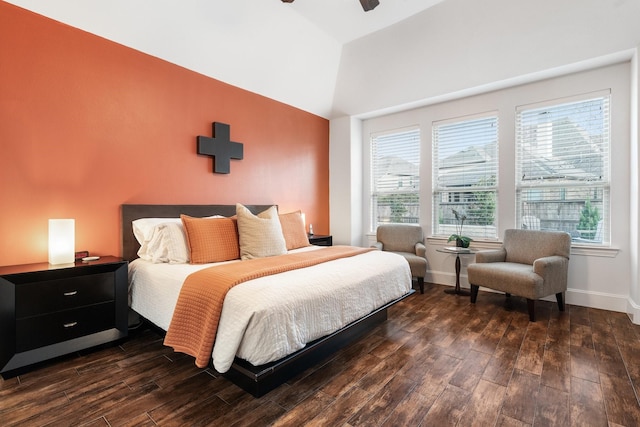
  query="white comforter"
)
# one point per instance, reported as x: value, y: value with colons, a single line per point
x: 268, y: 318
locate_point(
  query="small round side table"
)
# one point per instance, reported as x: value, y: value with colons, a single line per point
x: 457, y: 252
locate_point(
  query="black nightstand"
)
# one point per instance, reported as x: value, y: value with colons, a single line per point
x: 48, y: 311
x: 319, y: 240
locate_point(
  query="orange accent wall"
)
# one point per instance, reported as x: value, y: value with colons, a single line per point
x: 87, y: 124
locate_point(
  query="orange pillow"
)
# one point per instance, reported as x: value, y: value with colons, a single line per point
x: 293, y: 230
x: 211, y: 239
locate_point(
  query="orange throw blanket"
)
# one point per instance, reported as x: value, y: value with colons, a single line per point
x: 195, y: 320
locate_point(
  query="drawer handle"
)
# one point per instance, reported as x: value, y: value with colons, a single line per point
x: 70, y: 325
x: 70, y: 294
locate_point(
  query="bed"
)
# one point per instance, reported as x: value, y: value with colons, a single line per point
x: 154, y: 289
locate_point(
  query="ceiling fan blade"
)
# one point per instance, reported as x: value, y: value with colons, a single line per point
x: 368, y: 5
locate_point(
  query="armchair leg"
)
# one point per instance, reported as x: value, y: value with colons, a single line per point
x: 531, y: 304
x: 560, y: 298
x: 421, y: 284
x: 474, y: 293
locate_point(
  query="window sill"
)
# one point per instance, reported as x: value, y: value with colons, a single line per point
x: 576, y: 249
x: 476, y: 244
x: 599, y: 251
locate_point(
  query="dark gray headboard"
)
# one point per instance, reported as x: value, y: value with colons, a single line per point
x: 130, y: 213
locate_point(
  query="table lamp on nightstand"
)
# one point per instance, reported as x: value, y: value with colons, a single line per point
x: 61, y: 241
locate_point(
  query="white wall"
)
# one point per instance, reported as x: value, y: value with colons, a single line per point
x: 345, y: 181
x: 633, y: 306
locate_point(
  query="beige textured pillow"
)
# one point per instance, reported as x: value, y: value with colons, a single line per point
x: 211, y: 239
x: 293, y: 230
x: 259, y: 235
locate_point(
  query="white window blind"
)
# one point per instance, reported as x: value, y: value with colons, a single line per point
x: 395, y: 177
x: 465, y: 176
x: 562, y: 167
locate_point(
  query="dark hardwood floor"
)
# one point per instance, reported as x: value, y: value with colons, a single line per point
x: 437, y: 361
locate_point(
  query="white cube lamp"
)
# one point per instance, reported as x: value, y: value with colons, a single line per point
x: 62, y: 241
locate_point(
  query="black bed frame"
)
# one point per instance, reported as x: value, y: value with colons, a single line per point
x: 257, y: 380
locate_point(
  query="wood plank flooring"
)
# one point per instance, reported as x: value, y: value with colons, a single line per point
x: 437, y: 361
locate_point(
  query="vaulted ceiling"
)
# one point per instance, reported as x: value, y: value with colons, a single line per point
x: 332, y: 59
x: 286, y: 51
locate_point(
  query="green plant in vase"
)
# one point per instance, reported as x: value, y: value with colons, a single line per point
x: 461, y: 240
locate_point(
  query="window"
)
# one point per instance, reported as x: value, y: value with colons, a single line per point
x: 562, y: 167
x: 465, y: 176
x: 395, y: 175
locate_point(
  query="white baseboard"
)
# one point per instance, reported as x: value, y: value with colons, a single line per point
x: 599, y: 300
x: 444, y: 278
x: 592, y: 299
x: 633, y: 310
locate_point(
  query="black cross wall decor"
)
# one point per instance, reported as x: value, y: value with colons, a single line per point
x: 220, y: 147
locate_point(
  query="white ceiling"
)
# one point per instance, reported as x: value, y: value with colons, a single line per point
x: 289, y: 52
x: 345, y: 20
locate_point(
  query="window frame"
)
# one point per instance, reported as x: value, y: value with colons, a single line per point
x: 445, y: 225
x: 414, y: 181
x: 568, y: 189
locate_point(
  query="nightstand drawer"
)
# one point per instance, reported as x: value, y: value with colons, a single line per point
x: 38, y: 331
x: 48, y: 296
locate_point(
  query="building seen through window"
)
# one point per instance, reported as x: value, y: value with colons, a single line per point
x: 562, y: 168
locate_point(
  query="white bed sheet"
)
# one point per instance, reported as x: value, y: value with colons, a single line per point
x: 268, y: 318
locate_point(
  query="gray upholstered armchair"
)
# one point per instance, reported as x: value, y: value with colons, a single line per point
x: 531, y: 264
x: 406, y: 240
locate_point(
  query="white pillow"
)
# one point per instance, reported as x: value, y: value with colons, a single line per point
x: 144, y: 228
x: 168, y: 243
x: 261, y: 235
